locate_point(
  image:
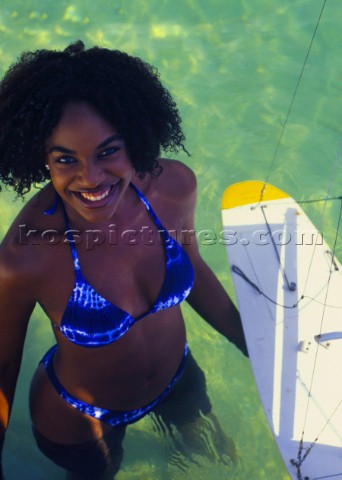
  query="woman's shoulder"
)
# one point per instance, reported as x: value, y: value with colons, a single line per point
x: 19, y: 256
x: 177, y: 180
x: 173, y: 193
x: 17, y: 264
x: 31, y: 217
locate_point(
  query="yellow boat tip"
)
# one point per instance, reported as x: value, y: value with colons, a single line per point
x: 243, y: 193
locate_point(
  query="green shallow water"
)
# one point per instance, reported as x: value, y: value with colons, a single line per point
x: 232, y: 66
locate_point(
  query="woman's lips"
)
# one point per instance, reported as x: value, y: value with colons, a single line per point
x: 96, y: 198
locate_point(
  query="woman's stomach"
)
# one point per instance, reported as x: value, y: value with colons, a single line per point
x: 129, y: 373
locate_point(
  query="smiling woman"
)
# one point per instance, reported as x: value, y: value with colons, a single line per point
x: 93, y: 122
x: 88, y: 163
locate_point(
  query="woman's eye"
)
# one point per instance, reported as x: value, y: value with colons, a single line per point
x: 64, y: 160
x: 108, y: 151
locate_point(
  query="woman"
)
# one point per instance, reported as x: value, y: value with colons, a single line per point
x: 93, y: 248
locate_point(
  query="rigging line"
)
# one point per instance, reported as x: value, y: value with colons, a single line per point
x: 338, y: 307
x: 325, y: 203
x: 292, y: 102
x: 308, y: 449
x: 332, y: 178
x: 239, y: 272
x: 316, y: 200
x: 329, y: 476
x: 290, y: 201
x: 320, y: 226
x: 290, y: 285
x: 331, y: 270
x: 333, y: 264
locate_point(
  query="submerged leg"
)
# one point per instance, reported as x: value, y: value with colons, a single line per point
x: 92, y: 460
x: 205, y: 437
x: 188, y: 408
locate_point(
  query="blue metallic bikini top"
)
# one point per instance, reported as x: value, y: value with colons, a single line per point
x: 90, y: 320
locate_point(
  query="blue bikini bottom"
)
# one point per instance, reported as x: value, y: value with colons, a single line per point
x: 112, y: 417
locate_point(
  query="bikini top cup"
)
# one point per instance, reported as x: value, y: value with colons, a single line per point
x: 90, y: 320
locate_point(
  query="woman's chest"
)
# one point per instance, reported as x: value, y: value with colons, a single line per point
x: 127, y: 269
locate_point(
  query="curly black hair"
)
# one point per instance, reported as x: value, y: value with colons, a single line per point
x: 124, y: 89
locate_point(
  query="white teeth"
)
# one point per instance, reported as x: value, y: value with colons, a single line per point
x: 95, y: 198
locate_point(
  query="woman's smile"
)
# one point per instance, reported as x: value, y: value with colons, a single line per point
x: 95, y: 197
x: 98, y: 197
x: 89, y: 165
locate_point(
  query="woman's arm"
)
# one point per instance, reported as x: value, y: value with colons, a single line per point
x: 212, y: 303
x: 15, y: 310
x: 208, y: 297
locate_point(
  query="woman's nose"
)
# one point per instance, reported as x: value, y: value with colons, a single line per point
x: 91, y: 174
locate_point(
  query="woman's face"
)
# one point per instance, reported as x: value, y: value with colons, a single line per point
x: 89, y: 165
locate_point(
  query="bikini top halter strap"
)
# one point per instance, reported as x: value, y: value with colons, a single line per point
x: 69, y: 231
